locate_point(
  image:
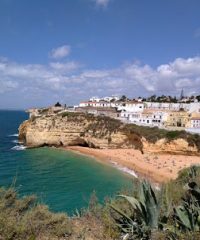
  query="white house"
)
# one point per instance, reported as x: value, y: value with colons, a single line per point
x: 95, y: 99
x: 95, y: 104
x: 132, y: 106
x: 130, y: 116
x: 159, y: 118
x: 84, y: 104
x: 148, y: 118
x: 106, y: 99
x: 116, y: 104
x: 112, y: 98
x: 167, y: 106
x: 195, y: 122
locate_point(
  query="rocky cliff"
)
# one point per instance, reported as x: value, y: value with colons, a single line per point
x: 75, y: 129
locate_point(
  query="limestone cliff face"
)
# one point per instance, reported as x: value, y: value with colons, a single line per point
x: 177, y: 146
x: 71, y: 130
x: 74, y: 129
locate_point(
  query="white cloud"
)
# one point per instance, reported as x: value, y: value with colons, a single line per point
x: 60, y: 52
x: 7, y: 85
x: 65, y: 67
x: 72, y: 83
x: 102, y: 3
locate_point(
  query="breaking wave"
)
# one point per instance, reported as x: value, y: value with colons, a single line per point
x: 18, y: 148
x: 13, y: 135
x: 125, y: 169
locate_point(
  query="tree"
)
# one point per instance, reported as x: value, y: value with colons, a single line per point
x: 123, y: 98
x: 57, y: 104
x: 198, y: 98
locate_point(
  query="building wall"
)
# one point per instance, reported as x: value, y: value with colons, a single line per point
x: 133, y: 107
x: 194, y: 107
x: 178, y: 119
x: 154, y: 118
x: 167, y: 106
x: 195, y: 123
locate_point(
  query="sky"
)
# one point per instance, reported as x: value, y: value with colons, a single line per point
x: 70, y: 50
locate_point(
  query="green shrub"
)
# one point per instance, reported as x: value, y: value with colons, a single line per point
x: 25, y: 219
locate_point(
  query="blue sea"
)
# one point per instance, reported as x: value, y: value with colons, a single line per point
x: 62, y: 179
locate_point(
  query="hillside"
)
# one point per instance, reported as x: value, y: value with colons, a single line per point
x: 144, y: 213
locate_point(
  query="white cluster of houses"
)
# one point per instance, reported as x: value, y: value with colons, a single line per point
x: 113, y: 101
x: 161, y: 114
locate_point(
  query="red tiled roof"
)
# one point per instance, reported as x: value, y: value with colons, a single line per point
x: 195, y: 118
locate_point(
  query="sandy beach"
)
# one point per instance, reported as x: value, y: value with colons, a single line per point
x: 158, y: 168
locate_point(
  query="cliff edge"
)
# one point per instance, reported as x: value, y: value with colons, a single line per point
x: 79, y: 129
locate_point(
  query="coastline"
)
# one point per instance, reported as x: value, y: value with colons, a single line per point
x: 157, y: 168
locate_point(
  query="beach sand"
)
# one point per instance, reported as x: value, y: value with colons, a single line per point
x: 158, y: 168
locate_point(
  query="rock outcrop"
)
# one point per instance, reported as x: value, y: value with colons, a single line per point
x: 177, y: 146
x: 75, y: 129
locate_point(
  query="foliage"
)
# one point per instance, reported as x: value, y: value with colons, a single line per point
x: 70, y: 114
x: 176, y: 188
x: 172, y: 213
x: 144, y: 216
x: 187, y: 215
x: 98, y: 218
x: 153, y: 217
x: 24, y: 219
x: 43, y: 111
x: 102, y: 126
x: 153, y: 134
x: 57, y: 104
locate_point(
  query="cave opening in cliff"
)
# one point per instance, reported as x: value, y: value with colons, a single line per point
x: 83, y: 144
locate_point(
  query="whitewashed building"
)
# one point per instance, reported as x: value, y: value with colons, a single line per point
x: 132, y: 106
x: 84, y: 104
x: 95, y: 104
x: 95, y: 99
x: 112, y: 98
x: 195, y: 122
x: 130, y: 116
x: 194, y: 107
x: 148, y: 118
x: 167, y: 106
x: 107, y: 99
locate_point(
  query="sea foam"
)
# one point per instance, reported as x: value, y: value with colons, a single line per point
x: 125, y: 169
x: 18, y: 148
x: 13, y: 135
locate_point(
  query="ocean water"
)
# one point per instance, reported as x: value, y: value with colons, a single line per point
x: 62, y: 179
